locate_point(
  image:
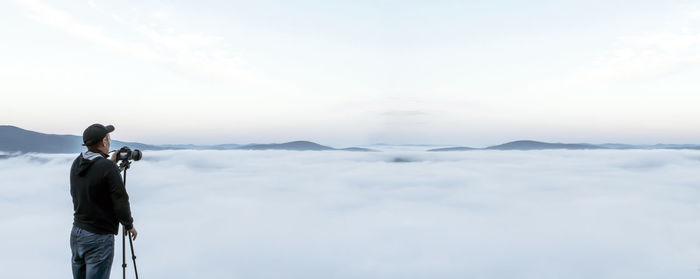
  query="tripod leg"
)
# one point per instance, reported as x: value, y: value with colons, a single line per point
x: 133, y: 257
x: 124, y: 238
x: 124, y: 252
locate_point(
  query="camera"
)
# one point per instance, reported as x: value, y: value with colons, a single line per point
x: 126, y: 154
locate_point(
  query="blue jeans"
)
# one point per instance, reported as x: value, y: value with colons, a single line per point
x: 92, y: 254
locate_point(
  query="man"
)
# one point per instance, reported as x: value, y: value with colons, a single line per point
x: 100, y: 203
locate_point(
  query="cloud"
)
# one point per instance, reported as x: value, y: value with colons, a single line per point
x: 650, y: 55
x: 672, y: 48
x: 194, y: 54
x: 285, y: 214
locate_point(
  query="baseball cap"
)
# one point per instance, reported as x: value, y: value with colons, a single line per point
x: 95, y: 133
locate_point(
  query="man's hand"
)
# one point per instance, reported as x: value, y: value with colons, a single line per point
x: 133, y: 233
x: 114, y: 156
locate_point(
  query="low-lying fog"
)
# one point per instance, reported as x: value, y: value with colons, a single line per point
x: 393, y: 214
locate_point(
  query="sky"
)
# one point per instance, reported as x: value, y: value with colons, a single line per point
x: 333, y: 214
x: 470, y: 73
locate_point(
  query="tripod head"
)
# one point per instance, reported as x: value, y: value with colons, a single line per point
x: 124, y: 165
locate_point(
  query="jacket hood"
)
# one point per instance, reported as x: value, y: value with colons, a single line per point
x: 86, y: 160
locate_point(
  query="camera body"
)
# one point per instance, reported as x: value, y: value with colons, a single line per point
x: 126, y: 154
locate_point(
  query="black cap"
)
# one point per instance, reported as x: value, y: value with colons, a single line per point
x: 95, y: 133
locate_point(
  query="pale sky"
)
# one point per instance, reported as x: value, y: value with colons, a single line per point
x: 470, y: 73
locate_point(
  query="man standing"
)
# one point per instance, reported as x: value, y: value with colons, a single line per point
x: 100, y: 203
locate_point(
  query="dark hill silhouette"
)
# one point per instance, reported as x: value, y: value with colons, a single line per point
x: 226, y: 146
x: 620, y: 146
x: 300, y: 146
x: 15, y: 139
x: 294, y: 145
x: 655, y: 146
x: 538, y: 145
x: 535, y: 145
x: 459, y: 148
x: 358, y: 149
x: 201, y: 147
x: 675, y: 146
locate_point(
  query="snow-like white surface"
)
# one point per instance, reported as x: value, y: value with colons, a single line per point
x: 333, y: 214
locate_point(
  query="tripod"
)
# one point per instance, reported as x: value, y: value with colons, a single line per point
x: 125, y: 166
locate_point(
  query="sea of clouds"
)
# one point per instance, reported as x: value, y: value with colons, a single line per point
x: 401, y: 213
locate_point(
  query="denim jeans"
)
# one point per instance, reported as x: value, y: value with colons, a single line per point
x: 92, y: 254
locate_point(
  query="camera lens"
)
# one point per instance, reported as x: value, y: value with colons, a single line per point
x: 136, y: 155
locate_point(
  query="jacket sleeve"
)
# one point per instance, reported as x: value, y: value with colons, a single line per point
x: 120, y: 199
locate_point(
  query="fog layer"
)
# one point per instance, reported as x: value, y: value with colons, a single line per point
x: 393, y: 214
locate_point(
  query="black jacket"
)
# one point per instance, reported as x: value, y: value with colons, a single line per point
x: 100, y: 201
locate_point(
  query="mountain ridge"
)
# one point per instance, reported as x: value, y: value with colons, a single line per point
x: 15, y: 139
x: 539, y: 145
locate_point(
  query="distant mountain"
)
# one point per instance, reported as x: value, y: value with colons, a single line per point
x: 621, y: 146
x: 537, y: 145
x: 15, y: 139
x: 358, y: 149
x: 655, y: 146
x: 453, y: 149
x: 294, y: 145
x: 299, y: 146
x: 133, y: 145
x: 183, y: 146
x: 201, y: 147
x: 526, y: 145
x: 225, y: 146
x: 676, y: 146
x: 404, y: 144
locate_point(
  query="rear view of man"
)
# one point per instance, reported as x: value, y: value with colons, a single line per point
x: 100, y: 203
